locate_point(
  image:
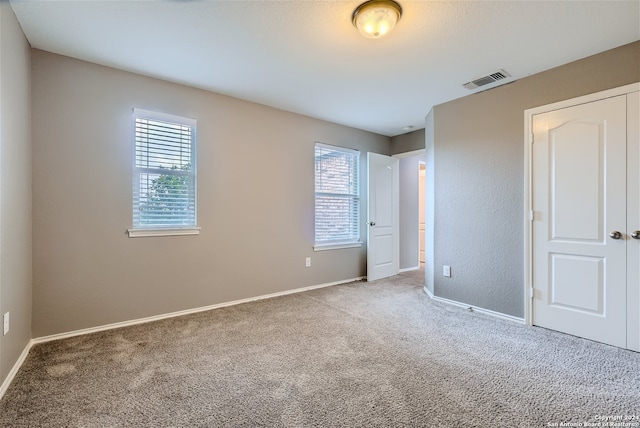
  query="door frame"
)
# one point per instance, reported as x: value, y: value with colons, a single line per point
x: 633, y: 218
x: 400, y: 156
x: 528, y: 179
x: 422, y: 198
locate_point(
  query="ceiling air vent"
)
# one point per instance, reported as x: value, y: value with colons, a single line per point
x: 485, y: 80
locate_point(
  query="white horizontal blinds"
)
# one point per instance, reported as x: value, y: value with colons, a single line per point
x: 337, y: 207
x: 164, y: 179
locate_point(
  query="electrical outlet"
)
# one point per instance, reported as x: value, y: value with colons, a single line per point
x: 446, y: 271
x: 307, y: 262
x: 5, y: 323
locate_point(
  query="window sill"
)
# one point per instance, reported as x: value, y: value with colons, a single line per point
x: 325, y: 247
x: 177, y: 231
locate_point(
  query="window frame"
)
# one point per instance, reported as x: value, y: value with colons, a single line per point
x: 332, y: 244
x: 139, y: 230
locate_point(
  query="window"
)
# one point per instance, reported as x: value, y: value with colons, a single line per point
x: 164, y: 176
x: 337, y: 212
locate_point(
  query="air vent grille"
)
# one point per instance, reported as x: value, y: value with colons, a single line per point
x: 485, y: 80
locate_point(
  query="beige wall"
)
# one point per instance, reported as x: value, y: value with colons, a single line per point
x: 15, y: 189
x: 408, y: 142
x: 479, y: 177
x: 255, y: 200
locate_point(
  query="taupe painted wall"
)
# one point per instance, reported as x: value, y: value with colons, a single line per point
x: 15, y: 188
x: 479, y: 177
x: 255, y: 200
x: 408, y: 142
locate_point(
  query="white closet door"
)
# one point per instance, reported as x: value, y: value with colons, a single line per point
x: 579, y: 198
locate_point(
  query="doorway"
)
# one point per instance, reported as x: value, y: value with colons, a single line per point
x: 411, y: 195
x: 422, y: 175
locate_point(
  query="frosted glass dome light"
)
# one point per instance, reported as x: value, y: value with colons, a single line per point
x: 375, y: 18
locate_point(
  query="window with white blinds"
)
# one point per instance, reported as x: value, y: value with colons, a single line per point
x: 164, y: 179
x: 337, y: 195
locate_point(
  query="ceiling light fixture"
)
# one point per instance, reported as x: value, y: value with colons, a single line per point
x: 375, y: 18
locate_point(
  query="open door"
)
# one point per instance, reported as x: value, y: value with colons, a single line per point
x: 383, y: 237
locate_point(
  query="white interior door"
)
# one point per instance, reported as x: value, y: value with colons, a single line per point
x: 383, y: 237
x: 579, y: 199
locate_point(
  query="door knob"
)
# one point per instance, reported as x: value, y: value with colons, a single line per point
x: 372, y: 223
x: 635, y: 234
x: 615, y: 235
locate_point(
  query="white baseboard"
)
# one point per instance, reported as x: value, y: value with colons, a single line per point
x: 60, y: 336
x: 408, y: 269
x: 475, y: 308
x: 90, y: 330
x: 25, y: 352
x: 429, y: 293
x: 14, y: 369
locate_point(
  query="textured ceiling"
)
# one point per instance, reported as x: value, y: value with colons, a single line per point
x: 306, y: 57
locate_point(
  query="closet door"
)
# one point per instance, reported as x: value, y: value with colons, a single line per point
x: 579, y: 239
x: 633, y: 221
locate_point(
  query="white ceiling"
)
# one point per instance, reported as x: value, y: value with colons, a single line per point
x: 306, y: 57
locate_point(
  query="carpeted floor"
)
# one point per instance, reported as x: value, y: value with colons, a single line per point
x: 377, y: 354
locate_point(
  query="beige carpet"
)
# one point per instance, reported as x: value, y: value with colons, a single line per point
x: 375, y: 354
